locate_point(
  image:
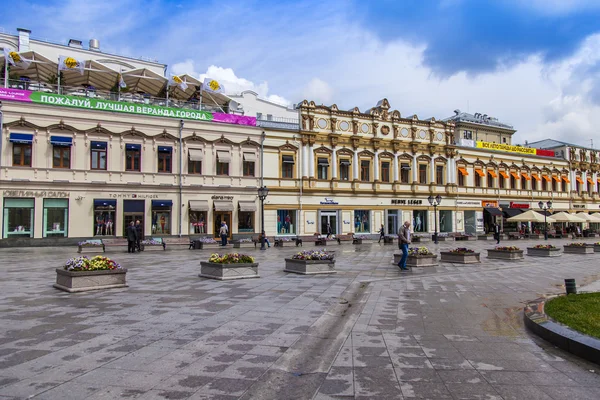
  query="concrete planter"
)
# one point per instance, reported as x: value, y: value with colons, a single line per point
x: 535, y: 236
x: 459, y: 238
x: 543, y: 252
x: 388, y: 240
x: 587, y: 249
x: 357, y: 241
x: 506, y: 254
x: 460, y: 258
x: 153, y: 247
x: 420, y: 239
x: 91, y: 249
x: 597, y: 248
x: 83, y: 281
x: 418, y: 261
x: 445, y: 239
x: 485, y: 237
x: 310, y: 267
x: 225, y: 272
x: 244, y: 245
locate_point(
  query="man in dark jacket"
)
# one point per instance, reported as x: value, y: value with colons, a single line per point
x: 138, y: 229
x: 404, y: 238
x: 132, y: 237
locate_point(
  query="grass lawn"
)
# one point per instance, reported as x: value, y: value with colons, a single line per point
x: 578, y: 311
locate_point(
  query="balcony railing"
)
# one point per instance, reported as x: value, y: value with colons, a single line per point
x: 278, y: 123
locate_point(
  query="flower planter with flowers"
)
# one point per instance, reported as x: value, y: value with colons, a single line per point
x: 82, y: 274
x: 579, y: 248
x: 311, y: 262
x: 229, y: 266
x: 91, y: 246
x: 359, y: 239
x: 281, y: 240
x: 243, y: 243
x: 543, y: 250
x: 388, y: 239
x: 460, y: 255
x: 153, y: 244
x: 506, y: 253
x: 444, y: 237
x: 418, y: 257
x: 207, y: 243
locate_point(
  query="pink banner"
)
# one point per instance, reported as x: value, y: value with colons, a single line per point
x: 15, y: 95
x: 234, y: 119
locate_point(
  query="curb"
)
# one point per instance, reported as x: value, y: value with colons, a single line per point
x: 560, y: 335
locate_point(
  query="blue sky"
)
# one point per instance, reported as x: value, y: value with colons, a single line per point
x: 534, y: 64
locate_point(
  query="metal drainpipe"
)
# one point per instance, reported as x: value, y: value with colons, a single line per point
x: 180, y: 175
x: 301, y: 186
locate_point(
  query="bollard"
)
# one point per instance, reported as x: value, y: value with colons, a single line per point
x: 570, y: 286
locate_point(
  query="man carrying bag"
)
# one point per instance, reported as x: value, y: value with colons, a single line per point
x: 404, y: 236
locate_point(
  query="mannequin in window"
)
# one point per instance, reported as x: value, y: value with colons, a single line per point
x: 154, y: 222
x: 109, y: 227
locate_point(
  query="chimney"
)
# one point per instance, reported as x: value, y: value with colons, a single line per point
x: 23, y: 39
x: 94, y: 45
x: 78, y: 44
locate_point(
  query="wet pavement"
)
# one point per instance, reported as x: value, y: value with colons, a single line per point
x: 369, y: 331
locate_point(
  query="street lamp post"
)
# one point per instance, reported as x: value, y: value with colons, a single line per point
x: 263, y: 192
x: 545, y: 208
x: 435, y: 202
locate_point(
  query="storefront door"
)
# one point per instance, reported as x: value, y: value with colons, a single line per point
x: 328, y: 218
x: 470, y: 223
x: 133, y: 210
x: 392, y: 222
x: 221, y: 216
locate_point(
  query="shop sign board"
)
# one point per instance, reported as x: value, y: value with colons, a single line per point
x: 36, y: 193
x: 132, y: 196
x: 329, y: 201
x: 468, y: 203
x: 489, y: 203
x: 407, y: 202
x: 579, y: 206
x: 513, y: 149
x: 519, y: 205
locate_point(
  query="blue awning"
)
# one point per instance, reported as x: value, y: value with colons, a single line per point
x: 165, y: 149
x: 132, y: 146
x: 105, y: 203
x: 99, y: 145
x: 61, y: 141
x: 21, y: 138
x: 162, y: 203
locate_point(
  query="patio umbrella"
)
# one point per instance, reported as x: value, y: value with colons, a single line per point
x: 531, y: 216
x: 566, y: 217
x: 585, y: 216
x: 595, y: 218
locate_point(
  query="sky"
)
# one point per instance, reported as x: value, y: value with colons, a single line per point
x: 534, y: 64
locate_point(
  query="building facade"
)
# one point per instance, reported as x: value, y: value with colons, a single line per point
x: 480, y: 127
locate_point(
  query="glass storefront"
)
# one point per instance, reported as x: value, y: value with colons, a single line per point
x: 445, y: 221
x: 161, y: 216
x: 362, y: 221
x: 197, y: 221
x: 18, y: 218
x: 133, y: 210
x: 419, y: 222
x: 56, y: 217
x: 245, y: 222
x: 104, y: 217
x: 393, y: 222
x: 286, y: 222
x: 328, y: 222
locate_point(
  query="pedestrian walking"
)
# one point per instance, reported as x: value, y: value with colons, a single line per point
x: 138, y: 229
x: 381, y: 234
x: 223, y: 234
x: 404, y: 236
x: 131, y: 237
x: 329, y: 231
x: 497, y: 233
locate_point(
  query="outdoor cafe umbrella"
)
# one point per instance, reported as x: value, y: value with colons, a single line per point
x: 595, y: 218
x: 585, y: 216
x: 566, y: 217
x: 531, y: 216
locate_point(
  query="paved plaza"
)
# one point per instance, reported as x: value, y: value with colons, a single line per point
x: 368, y: 332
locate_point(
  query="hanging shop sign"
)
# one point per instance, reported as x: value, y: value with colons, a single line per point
x: 518, y: 205
x: 407, y: 202
x: 96, y: 104
x: 489, y: 203
x: 468, y: 203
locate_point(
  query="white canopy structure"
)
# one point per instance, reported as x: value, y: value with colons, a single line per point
x: 566, y: 217
x: 531, y: 216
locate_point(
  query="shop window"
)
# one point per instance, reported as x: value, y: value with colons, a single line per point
x: 161, y: 217
x: 286, y: 222
x: 133, y: 153
x: 165, y: 159
x: 405, y: 173
x: 420, y: 221
x: 479, y: 174
x: 223, y: 160
x: 248, y: 164
x: 104, y: 217
x: 245, y: 222
x: 98, y: 155
x: 197, y: 221
x: 423, y: 174
x: 56, y: 217
x: 18, y: 218
x: 21, y: 154
x: 344, y: 169
x: 133, y: 211
x: 287, y: 166
x: 61, y: 157
x: 322, y: 168
x: 385, y: 171
x: 365, y: 170
x: 445, y: 222
x: 439, y: 174
x: 195, y: 158
x: 362, y: 221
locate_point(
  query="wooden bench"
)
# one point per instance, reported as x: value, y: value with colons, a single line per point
x: 344, y: 238
x: 178, y: 242
x: 256, y: 240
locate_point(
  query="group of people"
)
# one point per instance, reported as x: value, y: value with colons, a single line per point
x: 134, y: 235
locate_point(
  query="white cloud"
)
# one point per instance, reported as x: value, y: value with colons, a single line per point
x: 318, y: 91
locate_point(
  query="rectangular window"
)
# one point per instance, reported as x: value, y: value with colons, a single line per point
x: 502, y: 181
x: 322, y: 168
x: 258, y: 115
x: 165, y: 159
x: 420, y: 221
x: 490, y: 180
x: 344, y: 170
x: 222, y: 168
x: 385, y: 171
x: 104, y: 217
x: 439, y: 174
x: 362, y: 221
x: 194, y: 167
x: 477, y: 180
x: 223, y: 160
x: 61, y: 157
x: 21, y: 155
x: 513, y: 182
x: 468, y: 135
x: 286, y: 222
x: 56, y: 217
x: 365, y: 170
x: 461, y: 177
x: 197, y: 221
x: 98, y: 155
x: 248, y: 168
x: 544, y: 184
x: 133, y: 154
x: 287, y: 166
x: 564, y: 185
x: 423, y: 174
x: 161, y: 217
x: 18, y: 218
x: 269, y: 117
x: 405, y: 173
x: 554, y: 185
